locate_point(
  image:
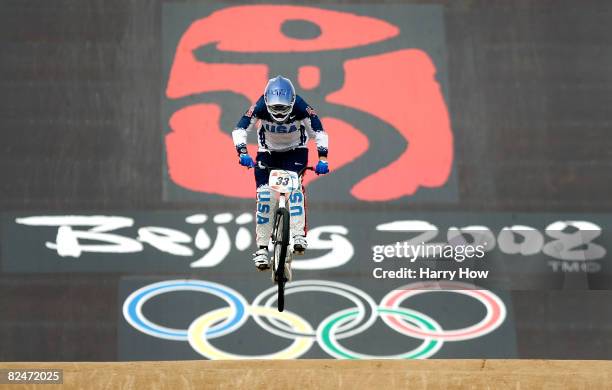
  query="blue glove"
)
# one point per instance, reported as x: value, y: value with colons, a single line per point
x: 322, y: 168
x: 246, y: 161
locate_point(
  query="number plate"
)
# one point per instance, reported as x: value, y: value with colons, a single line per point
x: 283, y: 181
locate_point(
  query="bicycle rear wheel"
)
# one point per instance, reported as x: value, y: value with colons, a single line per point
x: 280, y: 238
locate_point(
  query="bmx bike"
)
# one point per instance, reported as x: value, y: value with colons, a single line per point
x: 282, y: 182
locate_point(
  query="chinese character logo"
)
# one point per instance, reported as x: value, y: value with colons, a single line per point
x: 383, y: 108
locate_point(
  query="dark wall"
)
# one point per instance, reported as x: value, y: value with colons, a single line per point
x: 529, y: 95
x: 80, y: 103
x: 529, y: 91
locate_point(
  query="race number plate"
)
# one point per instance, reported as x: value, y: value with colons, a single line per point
x: 283, y: 181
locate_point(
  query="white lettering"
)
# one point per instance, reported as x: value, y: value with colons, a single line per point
x: 341, y: 249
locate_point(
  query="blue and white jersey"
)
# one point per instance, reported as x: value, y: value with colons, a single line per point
x: 301, y: 125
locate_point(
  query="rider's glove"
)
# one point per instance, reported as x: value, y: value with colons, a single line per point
x: 322, y: 168
x: 246, y: 160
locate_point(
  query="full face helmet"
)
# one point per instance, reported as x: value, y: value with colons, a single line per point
x: 279, y: 96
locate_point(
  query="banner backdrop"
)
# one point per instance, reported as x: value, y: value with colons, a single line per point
x: 494, y: 250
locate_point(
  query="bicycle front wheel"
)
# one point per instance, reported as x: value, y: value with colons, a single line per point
x: 280, y: 238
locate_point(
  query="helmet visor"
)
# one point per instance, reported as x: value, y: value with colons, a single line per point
x: 279, y: 111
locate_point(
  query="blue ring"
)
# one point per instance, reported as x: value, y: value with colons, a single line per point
x: 239, y: 315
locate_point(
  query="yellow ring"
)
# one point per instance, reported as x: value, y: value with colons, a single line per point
x: 199, y: 342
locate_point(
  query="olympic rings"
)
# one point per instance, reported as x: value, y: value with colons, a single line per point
x: 366, y: 306
x: 342, y: 324
x: 496, y: 311
x: 201, y: 326
x: 132, y: 308
x: 428, y: 348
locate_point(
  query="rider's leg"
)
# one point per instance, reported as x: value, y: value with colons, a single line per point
x: 295, y: 160
x: 264, y: 213
x: 297, y: 225
x: 300, y: 225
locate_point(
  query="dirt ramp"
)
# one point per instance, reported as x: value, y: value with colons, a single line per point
x: 321, y: 374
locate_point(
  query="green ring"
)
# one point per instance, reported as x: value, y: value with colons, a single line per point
x: 326, y: 333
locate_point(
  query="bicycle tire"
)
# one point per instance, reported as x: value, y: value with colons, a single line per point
x: 280, y: 237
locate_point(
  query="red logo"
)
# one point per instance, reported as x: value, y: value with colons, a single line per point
x: 397, y: 88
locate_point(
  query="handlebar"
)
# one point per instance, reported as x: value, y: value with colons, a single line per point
x: 265, y: 166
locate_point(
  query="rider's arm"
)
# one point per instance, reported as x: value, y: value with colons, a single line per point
x: 245, y: 124
x: 315, y: 130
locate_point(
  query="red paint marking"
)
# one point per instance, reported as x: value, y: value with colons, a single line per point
x: 309, y: 77
x: 400, y: 88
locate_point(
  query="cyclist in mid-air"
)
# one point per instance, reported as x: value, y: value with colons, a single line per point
x: 287, y: 122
